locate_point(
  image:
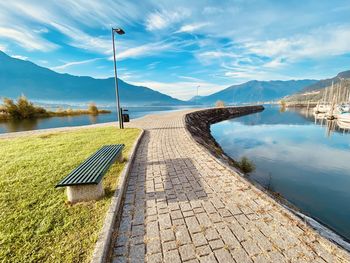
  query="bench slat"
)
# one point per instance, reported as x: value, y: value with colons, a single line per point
x: 89, y: 172
x: 92, y: 169
x: 104, y: 164
x: 78, y: 173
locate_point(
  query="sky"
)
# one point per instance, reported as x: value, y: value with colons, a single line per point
x: 176, y: 46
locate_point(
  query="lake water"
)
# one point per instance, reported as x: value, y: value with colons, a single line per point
x: 54, y: 122
x: 306, y: 161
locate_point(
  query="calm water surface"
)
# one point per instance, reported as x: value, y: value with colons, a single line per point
x: 308, y: 163
x: 54, y: 122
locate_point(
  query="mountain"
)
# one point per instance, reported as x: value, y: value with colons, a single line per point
x: 38, y: 83
x: 254, y: 91
x: 315, y: 91
x: 326, y: 82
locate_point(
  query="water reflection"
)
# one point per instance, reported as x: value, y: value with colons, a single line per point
x: 303, y: 158
x: 25, y: 125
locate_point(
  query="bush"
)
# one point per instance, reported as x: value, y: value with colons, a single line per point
x: 220, y: 104
x: 93, y: 109
x: 246, y: 165
x: 23, y: 109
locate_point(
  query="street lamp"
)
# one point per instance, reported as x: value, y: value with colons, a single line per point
x: 197, y: 93
x: 119, y: 31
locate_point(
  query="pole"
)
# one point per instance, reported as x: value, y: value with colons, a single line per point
x: 120, y: 120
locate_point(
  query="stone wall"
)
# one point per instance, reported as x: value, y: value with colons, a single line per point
x: 198, y: 124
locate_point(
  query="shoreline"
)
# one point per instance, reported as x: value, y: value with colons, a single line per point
x: 198, y: 126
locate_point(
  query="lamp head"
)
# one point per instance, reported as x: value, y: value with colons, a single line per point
x: 119, y: 31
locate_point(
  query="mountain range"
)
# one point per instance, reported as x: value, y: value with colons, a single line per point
x: 254, y: 91
x: 315, y: 91
x: 38, y: 83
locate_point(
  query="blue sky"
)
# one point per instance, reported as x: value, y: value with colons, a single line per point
x: 174, y: 46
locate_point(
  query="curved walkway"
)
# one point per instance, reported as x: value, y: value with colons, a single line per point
x: 181, y: 205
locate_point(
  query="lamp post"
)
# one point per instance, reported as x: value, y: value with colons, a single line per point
x: 197, y: 94
x: 119, y: 31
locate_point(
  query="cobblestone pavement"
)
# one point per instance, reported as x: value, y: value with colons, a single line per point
x: 181, y: 205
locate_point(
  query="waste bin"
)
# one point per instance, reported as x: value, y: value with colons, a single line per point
x: 125, y: 116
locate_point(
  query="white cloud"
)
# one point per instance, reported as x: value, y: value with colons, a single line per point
x: 74, y: 63
x: 19, y: 57
x: 275, y: 63
x: 191, y: 27
x: 26, y: 39
x: 143, y: 50
x: 322, y: 42
x: 163, y: 19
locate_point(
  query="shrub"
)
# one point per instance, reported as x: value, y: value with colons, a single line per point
x: 220, y: 104
x: 23, y: 109
x: 93, y: 109
x: 246, y: 165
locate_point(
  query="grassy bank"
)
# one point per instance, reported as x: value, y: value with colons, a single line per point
x: 36, y: 222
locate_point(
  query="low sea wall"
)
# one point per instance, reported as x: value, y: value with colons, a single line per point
x: 198, y: 124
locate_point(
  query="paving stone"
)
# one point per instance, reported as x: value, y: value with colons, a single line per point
x: 187, y: 252
x: 137, y: 253
x: 171, y: 245
x: 208, y: 259
x: 251, y: 247
x: 223, y: 256
x: 192, y: 224
x: 172, y: 256
x: 203, y: 220
x: 199, y: 239
x: 182, y: 235
x: 211, y: 234
x: 155, y: 258
x: 240, y: 255
x: 153, y: 246
x: 203, y: 250
x: 228, y: 238
x: 167, y: 235
x: 119, y: 260
x: 216, y: 244
x: 120, y: 251
x: 164, y: 221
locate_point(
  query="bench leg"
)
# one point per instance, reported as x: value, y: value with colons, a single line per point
x: 120, y: 158
x: 81, y: 193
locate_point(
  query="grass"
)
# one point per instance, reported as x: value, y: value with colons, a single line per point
x: 37, y: 224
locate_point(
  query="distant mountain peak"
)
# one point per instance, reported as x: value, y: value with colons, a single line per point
x: 24, y: 77
x: 256, y: 91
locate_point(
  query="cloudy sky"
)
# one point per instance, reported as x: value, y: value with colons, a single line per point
x: 174, y: 46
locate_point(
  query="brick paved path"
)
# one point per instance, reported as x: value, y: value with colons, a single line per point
x: 183, y: 206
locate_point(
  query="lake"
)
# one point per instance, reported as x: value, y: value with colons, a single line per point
x: 54, y: 122
x: 307, y: 161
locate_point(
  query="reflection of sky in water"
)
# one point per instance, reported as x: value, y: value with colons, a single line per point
x: 294, y: 157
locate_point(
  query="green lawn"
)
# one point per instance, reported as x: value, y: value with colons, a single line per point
x: 36, y: 222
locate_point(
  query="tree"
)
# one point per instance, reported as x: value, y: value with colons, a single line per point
x: 93, y: 108
x: 220, y: 104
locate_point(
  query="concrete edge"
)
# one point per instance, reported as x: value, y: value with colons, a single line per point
x: 103, y: 243
x: 282, y: 203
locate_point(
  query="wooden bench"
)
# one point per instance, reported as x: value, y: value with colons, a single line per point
x: 84, y: 183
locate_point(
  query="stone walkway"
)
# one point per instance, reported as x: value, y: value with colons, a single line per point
x: 181, y: 205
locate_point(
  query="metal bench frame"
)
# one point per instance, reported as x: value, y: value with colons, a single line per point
x: 84, y: 183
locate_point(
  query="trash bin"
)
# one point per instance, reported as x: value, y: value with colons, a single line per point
x: 125, y: 117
